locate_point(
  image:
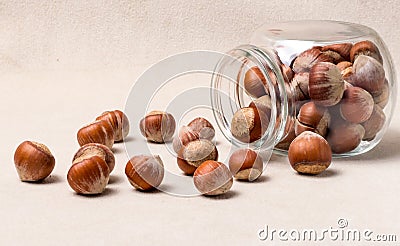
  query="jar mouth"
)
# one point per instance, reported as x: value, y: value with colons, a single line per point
x: 228, y: 93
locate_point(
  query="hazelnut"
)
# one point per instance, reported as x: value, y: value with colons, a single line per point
x: 288, y: 135
x: 345, y: 136
x: 368, y: 74
x: 145, y: 172
x: 245, y: 164
x: 357, y: 105
x: 89, y: 176
x: 342, y: 50
x: 185, y: 135
x: 248, y: 125
x: 191, y: 155
x: 366, y: 48
x: 254, y: 82
x: 374, y: 124
x: 326, y: 85
x: 33, y: 161
x: 308, y: 58
x: 202, y: 127
x: 158, y: 126
x: 309, y: 153
x: 119, y: 121
x: 262, y: 104
x: 383, y: 98
x: 343, y: 65
x: 300, y: 83
x: 287, y: 73
x: 95, y: 149
x: 313, y: 118
x: 99, y: 131
x: 212, y: 178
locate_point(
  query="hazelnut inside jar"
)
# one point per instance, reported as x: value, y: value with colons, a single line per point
x: 318, y: 76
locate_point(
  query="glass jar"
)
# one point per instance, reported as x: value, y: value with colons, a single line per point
x: 333, y: 78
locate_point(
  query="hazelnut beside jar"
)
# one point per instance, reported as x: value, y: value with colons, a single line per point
x: 324, y: 77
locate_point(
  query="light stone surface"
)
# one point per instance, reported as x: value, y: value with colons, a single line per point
x: 62, y: 63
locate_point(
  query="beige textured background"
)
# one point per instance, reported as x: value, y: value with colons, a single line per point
x: 64, y: 62
x: 98, y: 34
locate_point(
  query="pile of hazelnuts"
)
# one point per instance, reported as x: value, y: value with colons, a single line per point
x: 94, y: 161
x: 338, y: 92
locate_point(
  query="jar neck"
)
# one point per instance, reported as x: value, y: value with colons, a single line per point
x: 229, y: 93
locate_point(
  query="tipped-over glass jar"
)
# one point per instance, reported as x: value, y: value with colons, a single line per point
x: 333, y: 78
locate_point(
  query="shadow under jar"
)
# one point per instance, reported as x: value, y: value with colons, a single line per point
x: 336, y: 79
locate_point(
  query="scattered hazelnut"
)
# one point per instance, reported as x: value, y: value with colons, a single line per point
x: 185, y: 135
x: 33, y: 161
x: 95, y: 149
x: 212, y: 178
x: 202, y: 127
x: 326, y: 85
x: 366, y: 48
x: 309, y: 153
x: 374, y: 124
x: 191, y: 155
x: 254, y: 82
x: 99, y: 131
x: 89, y: 176
x: 313, y: 118
x: 368, y: 74
x: 344, y: 137
x: 245, y: 164
x: 158, y: 126
x: 145, y: 172
x: 248, y: 125
x: 357, y: 105
x: 119, y: 121
x: 342, y: 49
x: 308, y: 58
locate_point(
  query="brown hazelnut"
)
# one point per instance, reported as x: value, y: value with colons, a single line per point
x: 89, y: 176
x: 383, y: 98
x: 119, y: 121
x: 191, y: 155
x: 248, y: 125
x: 342, y: 49
x: 313, y: 118
x: 326, y: 85
x: 99, y: 131
x: 212, y: 178
x: 344, y: 136
x: 245, y: 164
x: 254, y: 82
x: 300, y: 84
x: 202, y: 127
x: 288, y: 135
x: 95, y: 149
x: 309, y: 153
x: 305, y: 60
x: 185, y: 135
x: 33, y: 161
x: 374, y: 124
x: 262, y: 104
x: 357, y: 105
x: 343, y: 65
x: 158, y: 126
x: 145, y: 172
x: 366, y: 48
x: 368, y: 74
